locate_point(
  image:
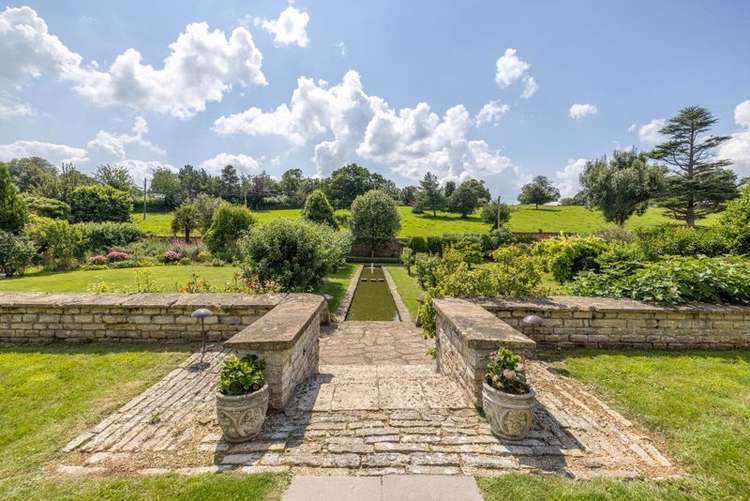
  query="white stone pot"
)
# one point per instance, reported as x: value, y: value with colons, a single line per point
x: 241, y: 417
x: 510, y: 416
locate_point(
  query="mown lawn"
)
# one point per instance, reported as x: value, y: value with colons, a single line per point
x: 407, y: 286
x: 524, y: 218
x: 698, y: 401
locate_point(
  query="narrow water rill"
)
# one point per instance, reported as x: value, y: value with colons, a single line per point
x: 372, y: 299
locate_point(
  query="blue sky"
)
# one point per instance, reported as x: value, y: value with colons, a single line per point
x: 397, y: 86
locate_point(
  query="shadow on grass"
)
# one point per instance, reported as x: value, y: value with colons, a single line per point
x: 96, y: 348
x: 728, y: 356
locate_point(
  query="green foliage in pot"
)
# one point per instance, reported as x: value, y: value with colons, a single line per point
x: 505, y: 373
x: 241, y: 376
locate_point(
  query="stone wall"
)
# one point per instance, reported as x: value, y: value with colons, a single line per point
x: 466, y: 335
x: 48, y: 317
x: 614, y: 323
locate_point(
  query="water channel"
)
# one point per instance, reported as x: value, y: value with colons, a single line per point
x: 372, y: 299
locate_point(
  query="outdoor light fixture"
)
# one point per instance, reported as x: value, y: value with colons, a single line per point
x: 202, y: 313
x: 532, y: 321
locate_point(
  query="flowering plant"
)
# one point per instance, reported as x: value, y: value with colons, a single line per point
x: 98, y: 259
x: 505, y: 372
x: 172, y: 256
x: 117, y: 256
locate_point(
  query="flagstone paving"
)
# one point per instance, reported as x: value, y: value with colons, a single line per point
x: 374, y: 343
x: 380, y: 417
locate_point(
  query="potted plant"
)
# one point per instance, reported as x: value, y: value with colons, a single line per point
x: 241, y: 398
x: 507, y: 398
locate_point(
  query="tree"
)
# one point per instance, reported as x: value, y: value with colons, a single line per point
x: 71, y: 179
x: 319, y: 210
x: 374, y: 218
x: 206, y: 205
x: 167, y: 184
x: 229, y: 223
x: 449, y: 188
x: 291, y: 182
x: 496, y: 214
x: 115, y: 176
x: 12, y: 208
x: 100, y: 203
x: 193, y: 181
x: 480, y: 190
x: 430, y: 196
x: 621, y: 185
x: 538, y: 191
x: 464, y: 199
x: 408, y: 195
x: 229, y: 184
x: 185, y: 220
x: 698, y: 183
x: 351, y: 181
x: 35, y: 175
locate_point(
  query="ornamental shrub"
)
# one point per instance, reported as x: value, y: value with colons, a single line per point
x: 425, y: 267
x: 99, y: 237
x: 185, y: 219
x: 656, y: 243
x: 240, y: 376
x: 98, y: 260
x: 12, y: 208
x: 734, y: 223
x: 576, y: 255
x: 59, y: 244
x: 228, y: 224
x: 16, y: 253
x: 289, y: 252
x: 114, y: 256
x: 171, y: 256
x: 407, y: 259
x: 96, y: 202
x: 434, y: 245
x: 335, y: 247
x: 319, y: 210
x: 47, y: 207
x: 418, y: 244
x: 505, y: 372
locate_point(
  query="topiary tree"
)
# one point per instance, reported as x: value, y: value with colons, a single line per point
x: 228, y: 224
x: 319, y: 210
x: 185, y: 220
x: 374, y: 219
x: 285, y: 251
x: 99, y: 203
x: 539, y: 191
x: 12, y: 208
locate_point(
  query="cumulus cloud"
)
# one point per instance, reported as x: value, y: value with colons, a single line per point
x: 737, y: 148
x: 529, y: 88
x: 568, y: 179
x: 289, y: 28
x: 343, y: 120
x: 649, y: 133
x: 578, y: 111
x: 14, y: 109
x: 140, y: 169
x: 510, y: 68
x: 201, y: 67
x: 491, y: 113
x: 243, y: 163
x: 55, y: 153
x: 114, y: 145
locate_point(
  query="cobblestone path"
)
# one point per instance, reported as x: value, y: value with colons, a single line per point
x: 367, y: 414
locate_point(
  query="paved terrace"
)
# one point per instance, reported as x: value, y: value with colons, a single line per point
x: 377, y: 407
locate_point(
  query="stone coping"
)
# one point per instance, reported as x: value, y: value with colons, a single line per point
x: 403, y: 311
x: 603, y: 304
x: 479, y: 328
x: 139, y: 300
x: 280, y: 328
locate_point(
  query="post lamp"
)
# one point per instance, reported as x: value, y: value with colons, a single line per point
x: 202, y: 314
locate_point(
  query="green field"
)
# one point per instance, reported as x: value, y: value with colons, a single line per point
x: 524, y: 218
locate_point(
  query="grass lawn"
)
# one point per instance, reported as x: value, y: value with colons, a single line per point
x: 407, y: 286
x: 524, y: 218
x: 335, y: 285
x: 51, y: 393
x: 698, y: 401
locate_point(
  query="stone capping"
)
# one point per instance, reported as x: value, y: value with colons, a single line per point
x: 601, y: 304
x: 479, y: 328
x: 280, y: 328
x: 136, y: 300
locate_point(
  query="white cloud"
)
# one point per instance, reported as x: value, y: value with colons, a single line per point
x: 491, y: 113
x: 114, y: 145
x: 345, y: 121
x: 55, y: 153
x: 14, y: 109
x: 202, y: 65
x: 243, y: 163
x: 649, y: 133
x: 737, y: 148
x: 578, y: 111
x: 140, y: 169
x: 529, y: 88
x: 510, y: 68
x: 568, y: 179
x: 343, y: 50
x: 289, y: 28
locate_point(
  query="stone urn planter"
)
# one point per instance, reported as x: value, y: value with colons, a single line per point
x: 241, y: 417
x: 510, y: 416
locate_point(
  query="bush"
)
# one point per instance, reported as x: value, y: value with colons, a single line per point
x: 47, y: 207
x: 171, y: 256
x: 12, y: 208
x: 496, y: 238
x: 206, y: 205
x: 59, y: 244
x: 434, y: 245
x: 505, y: 372
x: 407, y: 259
x: 286, y: 251
x: 425, y: 266
x: 470, y: 250
x: 185, y: 219
x: 517, y: 272
x: 662, y: 241
x: 97, y: 203
x: 735, y: 223
x: 114, y: 256
x: 229, y: 223
x: 574, y: 255
x: 335, y: 246
x: 319, y: 210
x: 106, y: 235
x: 240, y: 376
x: 418, y: 244
x: 16, y: 253
x: 98, y: 260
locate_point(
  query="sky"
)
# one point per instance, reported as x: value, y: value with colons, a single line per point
x: 496, y: 90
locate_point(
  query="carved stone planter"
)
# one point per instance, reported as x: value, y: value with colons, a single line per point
x: 510, y: 416
x: 241, y: 417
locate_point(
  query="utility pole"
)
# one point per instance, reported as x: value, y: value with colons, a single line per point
x: 145, y: 196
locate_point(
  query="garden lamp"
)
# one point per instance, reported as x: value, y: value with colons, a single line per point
x: 202, y: 313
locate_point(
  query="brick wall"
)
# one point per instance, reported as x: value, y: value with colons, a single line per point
x: 613, y: 323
